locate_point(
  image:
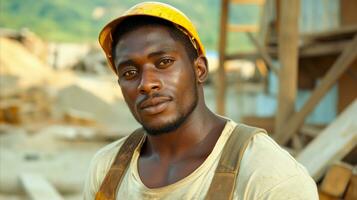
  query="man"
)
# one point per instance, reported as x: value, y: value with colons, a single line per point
x: 183, y: 148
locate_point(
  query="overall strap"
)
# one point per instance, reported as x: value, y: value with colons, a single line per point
x: 121, y: 162
x: 225, y: 178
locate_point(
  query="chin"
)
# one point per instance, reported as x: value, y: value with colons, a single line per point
x: 163, y: 127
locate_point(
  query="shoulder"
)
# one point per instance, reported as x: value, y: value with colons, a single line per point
x: 267, y: 169
x: 99, y: 167
x: 105, y: 156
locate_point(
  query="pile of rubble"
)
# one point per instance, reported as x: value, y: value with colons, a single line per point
x: 33, y: 92
x: 52, y: 121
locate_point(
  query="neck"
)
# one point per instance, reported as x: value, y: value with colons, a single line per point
x: 201, y: 128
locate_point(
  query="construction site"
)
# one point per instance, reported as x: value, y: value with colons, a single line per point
x: 60, y: 102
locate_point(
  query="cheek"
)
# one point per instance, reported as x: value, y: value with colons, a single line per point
x: 182, y: 82
x: 129, y: 94
x: 182, y: 75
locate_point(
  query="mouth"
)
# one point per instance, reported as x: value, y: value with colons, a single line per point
x: 154, y: 105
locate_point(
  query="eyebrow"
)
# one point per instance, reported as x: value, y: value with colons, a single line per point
x: 153, y: 54
x: 125, y: 62
x: 162, y: 51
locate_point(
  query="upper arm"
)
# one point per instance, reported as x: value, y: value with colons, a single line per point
x: 98, y: 169
x: 268, y: 172
x: 294, y: 188
x: 91, y: 184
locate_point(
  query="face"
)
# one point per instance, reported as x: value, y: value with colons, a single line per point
x: 156, y: 77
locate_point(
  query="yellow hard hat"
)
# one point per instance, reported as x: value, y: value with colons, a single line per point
x: 154, y: 9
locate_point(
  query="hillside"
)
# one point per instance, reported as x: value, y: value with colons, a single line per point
x: 81, y: 20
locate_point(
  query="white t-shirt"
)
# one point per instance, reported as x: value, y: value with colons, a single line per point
x: 267, y: 172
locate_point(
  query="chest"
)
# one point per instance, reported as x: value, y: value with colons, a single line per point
x: 156, y: 173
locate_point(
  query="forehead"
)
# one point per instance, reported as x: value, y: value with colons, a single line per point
x: 143, y: 40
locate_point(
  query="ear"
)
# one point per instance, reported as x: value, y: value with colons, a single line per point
x: 201, y: 69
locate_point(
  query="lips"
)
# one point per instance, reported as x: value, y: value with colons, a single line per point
x: 154, y: 105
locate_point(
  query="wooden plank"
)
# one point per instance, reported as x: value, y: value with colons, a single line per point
x: 243, y: 28
x: 288, y: 57
x: 332, y: 144
x: 338, y: 68
x: 336, y: 179
x: 266, y: 57
x: 38, y: 188
x: 221, y: 83
x: 324, y: 196
x: 351, y: 193
x: 323, y: 48
x: 311, y: 130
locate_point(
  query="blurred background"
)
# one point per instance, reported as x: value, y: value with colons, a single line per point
x: 289, y: 66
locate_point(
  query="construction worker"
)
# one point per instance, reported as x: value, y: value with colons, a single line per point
x: 183, y: 150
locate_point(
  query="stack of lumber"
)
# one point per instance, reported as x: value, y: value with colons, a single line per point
x: 332, y: 144
x: 340, y: 182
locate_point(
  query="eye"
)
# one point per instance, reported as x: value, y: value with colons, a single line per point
x: 165, y: 62
x: 129, y: 74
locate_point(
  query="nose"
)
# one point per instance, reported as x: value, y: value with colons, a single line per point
x: 150, y: 81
